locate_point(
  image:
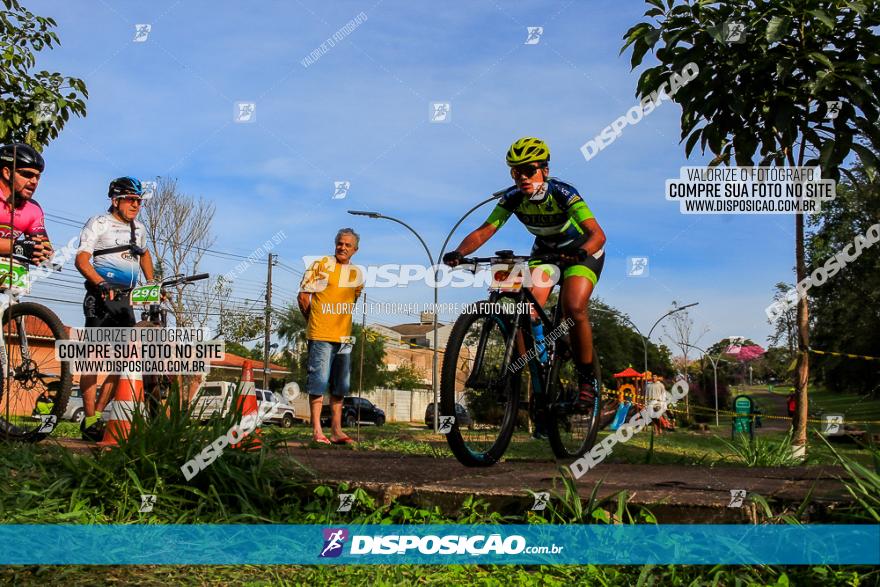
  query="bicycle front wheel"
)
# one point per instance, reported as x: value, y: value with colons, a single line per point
x: 477, y: 388
x: 571, y: 433
x: 35, y: 388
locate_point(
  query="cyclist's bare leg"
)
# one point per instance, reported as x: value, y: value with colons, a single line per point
x: 539, y: 289
x: 106, y: 392
x: 88, y: 384
x: 575, y: 301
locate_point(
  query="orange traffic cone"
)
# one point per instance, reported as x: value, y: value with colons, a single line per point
x: 247, y: 406
x: 128, y: 397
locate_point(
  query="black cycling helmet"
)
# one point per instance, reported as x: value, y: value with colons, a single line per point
x: 23, y: 155
x: 125, y: 185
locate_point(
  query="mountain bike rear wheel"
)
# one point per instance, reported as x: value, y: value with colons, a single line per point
x: 477, y: 388
x: 35, y: 390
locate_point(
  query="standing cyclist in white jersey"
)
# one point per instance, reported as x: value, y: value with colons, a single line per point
x: 112, y: 255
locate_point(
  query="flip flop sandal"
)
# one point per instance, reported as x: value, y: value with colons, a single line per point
x: 345, y: 440
x: 322, y: 440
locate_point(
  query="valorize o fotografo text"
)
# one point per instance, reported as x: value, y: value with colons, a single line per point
x: 149, y: 351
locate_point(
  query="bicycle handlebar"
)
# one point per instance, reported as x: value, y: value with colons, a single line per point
x: 182, y: 280
x: 509, y: 257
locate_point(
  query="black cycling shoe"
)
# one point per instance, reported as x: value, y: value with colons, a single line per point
x: 586, y: 398
x: 94, y: 432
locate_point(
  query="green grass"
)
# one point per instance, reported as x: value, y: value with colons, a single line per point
x: 441, y: 576
x: 682, y: 447
x: 47, y: 484
x: 856, y: 408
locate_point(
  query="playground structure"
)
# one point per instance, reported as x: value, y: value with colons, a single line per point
x: 631, y: 397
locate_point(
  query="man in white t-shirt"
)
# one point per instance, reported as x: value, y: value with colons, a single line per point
x: 112, y: 255
x: 656, y: 397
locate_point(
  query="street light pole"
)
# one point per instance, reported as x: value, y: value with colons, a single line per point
x: 645, y: 339
x: 434, y: 378
x: 714, y: 372
x: 659, y: 320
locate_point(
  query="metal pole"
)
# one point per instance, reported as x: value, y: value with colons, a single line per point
x: 361, y: 371
x: 715, y: 372
x: 268, y: 326
x: 494, y: 196
x: 434, y: 375
x: 435, y: 380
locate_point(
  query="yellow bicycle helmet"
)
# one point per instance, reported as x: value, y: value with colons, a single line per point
x: 527, y: 150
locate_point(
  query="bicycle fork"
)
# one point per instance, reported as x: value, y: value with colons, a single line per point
x: 477, y: 380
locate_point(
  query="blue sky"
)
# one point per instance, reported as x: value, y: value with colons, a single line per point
x: 360, y: 113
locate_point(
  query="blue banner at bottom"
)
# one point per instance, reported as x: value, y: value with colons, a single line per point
x: 440, y: 544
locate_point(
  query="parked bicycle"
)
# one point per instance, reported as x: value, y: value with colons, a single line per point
x: 34, y: 386
x: 485, y: 362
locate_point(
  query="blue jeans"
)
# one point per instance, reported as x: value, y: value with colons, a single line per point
x: 329, y: 367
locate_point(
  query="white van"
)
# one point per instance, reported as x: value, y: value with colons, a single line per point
x: 214, y: 398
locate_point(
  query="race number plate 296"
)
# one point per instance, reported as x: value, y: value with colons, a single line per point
x: 145, y: 294
x: 14, y: 275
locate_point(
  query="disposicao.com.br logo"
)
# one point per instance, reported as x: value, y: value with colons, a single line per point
x: 334, y: 541
x: 455, y: 544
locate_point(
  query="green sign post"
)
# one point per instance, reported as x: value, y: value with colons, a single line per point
x: 744, y: 420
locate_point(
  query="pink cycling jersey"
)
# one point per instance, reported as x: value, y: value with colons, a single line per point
x: 27, y: 220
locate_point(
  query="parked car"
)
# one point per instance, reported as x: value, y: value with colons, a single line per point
x: 214, y: 398
x: 354, y: 410
x: 284, y: 415
x: 74, y: 412
x: 462, y: 416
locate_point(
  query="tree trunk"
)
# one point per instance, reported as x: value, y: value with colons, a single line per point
x: 802, y: 372
x: 687, y: 403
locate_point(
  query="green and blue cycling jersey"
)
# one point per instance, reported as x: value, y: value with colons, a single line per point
x: 554, y: 216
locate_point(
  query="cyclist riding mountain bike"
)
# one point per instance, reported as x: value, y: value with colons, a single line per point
x: 111, y: 256
x: 554, y: 212
x: 22, y: 227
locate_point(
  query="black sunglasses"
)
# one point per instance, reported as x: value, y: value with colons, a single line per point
x: 28, y: 174
x: 527, y: 170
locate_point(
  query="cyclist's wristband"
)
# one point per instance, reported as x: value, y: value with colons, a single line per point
x: 104, y: 287
x: 24, y: 248
x: 452, y: 257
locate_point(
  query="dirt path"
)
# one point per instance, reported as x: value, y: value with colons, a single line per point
x: 772, y: 404
x: 674, y: 493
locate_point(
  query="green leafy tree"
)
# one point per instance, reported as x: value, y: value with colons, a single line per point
x: 236, y: 348
x: 407, y: 377
x: 845, y: 317
x: 35, y: 104
x: 767, y: 97
x: 773, y: 366
x: 785, y: 326
x: 373, y: 348
x: 620, y: 346
x: 292, y: 326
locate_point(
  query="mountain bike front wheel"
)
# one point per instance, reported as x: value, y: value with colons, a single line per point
x: 477, y: 388
x: 571, y: 433
x: 35, y: 389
